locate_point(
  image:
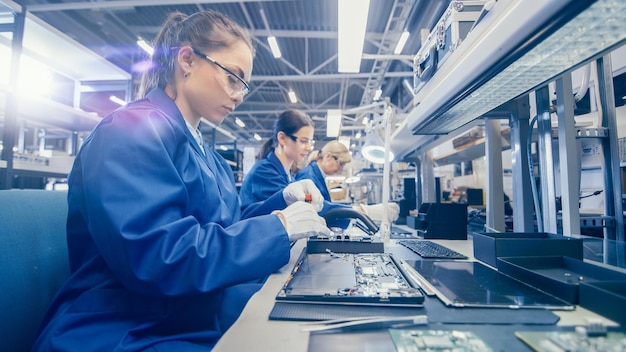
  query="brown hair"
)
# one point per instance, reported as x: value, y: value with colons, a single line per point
x: 289, y: 122
x: 206, y: 30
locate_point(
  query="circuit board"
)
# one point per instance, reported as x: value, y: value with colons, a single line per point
x: 346, y: 278
x: 412, y: 340
x: 555, y: 341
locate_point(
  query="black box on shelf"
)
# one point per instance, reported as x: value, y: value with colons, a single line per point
x: 489, y: 246
x: 412, y: 221
x: 607, y: 298
x: 557, y: 275
x: 447, y: 221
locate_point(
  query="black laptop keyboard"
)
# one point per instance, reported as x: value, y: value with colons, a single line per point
x: 429, y: 249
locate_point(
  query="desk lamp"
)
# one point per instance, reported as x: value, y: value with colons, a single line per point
x: 378, y: 151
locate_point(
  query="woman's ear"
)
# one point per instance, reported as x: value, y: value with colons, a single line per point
x: 185, y: 58
x: 280, y: 136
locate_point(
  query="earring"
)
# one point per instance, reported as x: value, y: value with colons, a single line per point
x: 186, y: 74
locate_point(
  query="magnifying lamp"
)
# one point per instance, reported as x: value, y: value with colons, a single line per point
x: 352, y: 179
x: 373, y: 150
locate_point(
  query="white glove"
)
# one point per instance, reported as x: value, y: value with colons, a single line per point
x: 376, y: 211
x: 301, y: 220
x: 297, y: 191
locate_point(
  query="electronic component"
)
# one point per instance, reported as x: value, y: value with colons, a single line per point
x: 365, y: 278
x: 578, y: 340
x: 340, y: 242
x: 437, y: 340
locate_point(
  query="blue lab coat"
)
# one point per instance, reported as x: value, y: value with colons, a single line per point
x: 157, y: 244
x: 267, y: 178
x: 313, y: 173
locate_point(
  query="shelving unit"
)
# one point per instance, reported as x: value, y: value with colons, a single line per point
x: 23, y: 116
x: 469, y: 151
x: 508, y: 68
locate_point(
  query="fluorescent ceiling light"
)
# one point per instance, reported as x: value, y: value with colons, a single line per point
x: 357, y: 135
x: 292, y: 97
x: 351, y: 30
x: 239, y: 122
x: 35, y: 78
x: 257, y: 137
x: 274, y: 46
x: 117, y: 100
x: 223, y: 147
x: 403, y: 38
x: 345, y: 140
x: 333, y: 122
x: 377, y: 94
x: 145, y: 46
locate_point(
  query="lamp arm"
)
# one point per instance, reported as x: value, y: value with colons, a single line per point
x: 385, y: 226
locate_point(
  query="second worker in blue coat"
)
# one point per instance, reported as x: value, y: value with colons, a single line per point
x: 291, y: 142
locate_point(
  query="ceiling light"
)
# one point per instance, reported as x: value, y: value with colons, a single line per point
x: 333, y: 122
x: 117, y: 100
x: 257, y: 137
x: 351, y: 31
x: 403, y: 38
x: 357, y: 135
x: 35, y: 78
x: 223, y: 147
x: 366, y: 121
x: 274, y: 46
x: 239, y: 122
x: 345, y: 140
x: 292, y: 97
x: 377, y: 94
x: 145, y: 46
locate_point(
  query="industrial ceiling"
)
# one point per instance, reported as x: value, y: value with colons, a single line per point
x: 306, y: 31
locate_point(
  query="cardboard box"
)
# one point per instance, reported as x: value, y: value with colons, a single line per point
x: 489, y: 246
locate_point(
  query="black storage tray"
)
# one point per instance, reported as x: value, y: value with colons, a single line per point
x: 488, y: 247
x: 607, y: 298
x: 559, y: 276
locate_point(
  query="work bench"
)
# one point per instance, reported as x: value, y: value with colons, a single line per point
x: 254, y: 331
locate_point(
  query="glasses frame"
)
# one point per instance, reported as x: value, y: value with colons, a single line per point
x: 304, y: 141
x: 340, y: 163
x: 243, y: 90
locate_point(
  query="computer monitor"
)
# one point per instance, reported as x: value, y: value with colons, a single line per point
x: 474, y: 196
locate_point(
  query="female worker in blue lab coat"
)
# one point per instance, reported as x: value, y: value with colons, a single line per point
x: 158, y: 246
x: 326, y: 162
x: 291, y: 142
